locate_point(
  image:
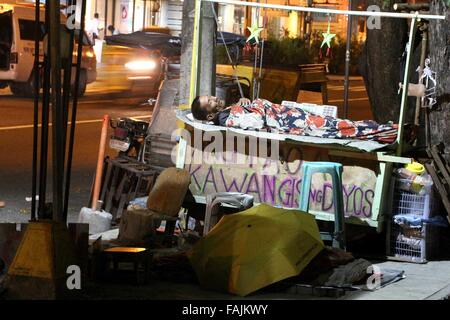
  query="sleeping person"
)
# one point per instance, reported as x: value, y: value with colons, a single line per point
x: 262, y: 114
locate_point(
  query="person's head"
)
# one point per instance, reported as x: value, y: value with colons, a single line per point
x: 110, y: 28
x: 96, y: 15
x: 206, y: 107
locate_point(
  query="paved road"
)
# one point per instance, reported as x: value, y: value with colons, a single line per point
x: 16, y: 148
x: 16, y: 139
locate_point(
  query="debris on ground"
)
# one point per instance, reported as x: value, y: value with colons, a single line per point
x: 99, y: 221
x: 349, y: 274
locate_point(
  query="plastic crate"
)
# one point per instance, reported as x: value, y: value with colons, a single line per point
x: 412, y: 244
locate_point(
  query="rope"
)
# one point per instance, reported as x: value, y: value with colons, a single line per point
x: 228, y: 53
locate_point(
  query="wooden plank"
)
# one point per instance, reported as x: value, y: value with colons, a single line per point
x: 381, y: 198
x: 440, y: 187
x: 382, y: 156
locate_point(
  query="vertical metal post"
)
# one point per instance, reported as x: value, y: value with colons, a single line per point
x: 67, y: 69
x: 255, y: 65
x: 57, y: 112
x: 404, y: 101
x: 143, y: 16
x: 74, y: 111
x: 347, y: 60
x: 132, y: 17
x: 113, y: 22
x: 106, y: 19
x: 45, y: 117
x: 37, y: 37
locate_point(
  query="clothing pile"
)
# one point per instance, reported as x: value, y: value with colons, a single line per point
x: 262, y: 114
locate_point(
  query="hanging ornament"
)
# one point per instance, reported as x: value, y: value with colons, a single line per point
x: 255, y: 30
x: 428, y: 78
x: 327, y: 37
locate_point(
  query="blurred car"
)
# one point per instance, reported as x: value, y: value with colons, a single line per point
x: 153, y: 48
x: 144, y: 56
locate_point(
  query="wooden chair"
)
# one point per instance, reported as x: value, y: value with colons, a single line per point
x: 313, y: 74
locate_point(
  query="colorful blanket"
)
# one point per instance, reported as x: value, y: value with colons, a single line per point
x: 262, y: 114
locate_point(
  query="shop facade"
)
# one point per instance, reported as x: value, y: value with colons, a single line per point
x: 128, y: 16
x: 133, y: 15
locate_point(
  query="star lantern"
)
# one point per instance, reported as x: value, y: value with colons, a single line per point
x: 327, y: 37
x: 255, y: 30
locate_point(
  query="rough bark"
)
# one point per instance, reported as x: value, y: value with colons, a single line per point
x: 440, y: 62
x: 381, y: 64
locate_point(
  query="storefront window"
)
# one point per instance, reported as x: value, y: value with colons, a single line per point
x: 231, y: 19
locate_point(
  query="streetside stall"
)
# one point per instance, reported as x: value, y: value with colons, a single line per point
x: 368, y: 165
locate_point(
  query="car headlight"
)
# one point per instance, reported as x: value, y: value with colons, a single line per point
x: 141, y: 65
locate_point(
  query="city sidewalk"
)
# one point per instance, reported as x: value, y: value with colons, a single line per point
x: 430, y: 281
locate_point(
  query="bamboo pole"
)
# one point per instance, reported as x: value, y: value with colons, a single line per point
x: 404, y: 102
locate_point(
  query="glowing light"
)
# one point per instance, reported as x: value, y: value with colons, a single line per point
x: 141, y: 65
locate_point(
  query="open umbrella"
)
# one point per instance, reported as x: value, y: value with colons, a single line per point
x: 249, y: 250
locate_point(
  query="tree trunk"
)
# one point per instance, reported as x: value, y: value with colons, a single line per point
x: 440, y: 62
x: 381, y: 64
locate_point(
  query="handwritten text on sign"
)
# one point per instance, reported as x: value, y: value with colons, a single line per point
x: 282, y: 186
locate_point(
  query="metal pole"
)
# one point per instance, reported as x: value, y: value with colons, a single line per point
x: 74, y: 111
x: 132, y: 17
x: 257, y: 51
x: 67, y: 88
x: 114, y: 14
x: 333, y: 11
x: 347, y: 60
x: 67, y: 80
x: 57, y: 112
x: 37, y: 37
x: 106, y: 19
x: 45, y: 118
x: 143, y: 16
x: 404, y: 102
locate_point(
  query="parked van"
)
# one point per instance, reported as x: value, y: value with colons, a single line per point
x: 17, y: 32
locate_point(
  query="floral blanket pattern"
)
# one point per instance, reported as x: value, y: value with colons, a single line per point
x: 262, y: 114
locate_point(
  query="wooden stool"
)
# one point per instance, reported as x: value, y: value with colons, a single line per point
x: 137, y: 256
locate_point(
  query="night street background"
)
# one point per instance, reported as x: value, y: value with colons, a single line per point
x: 108, y: 95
